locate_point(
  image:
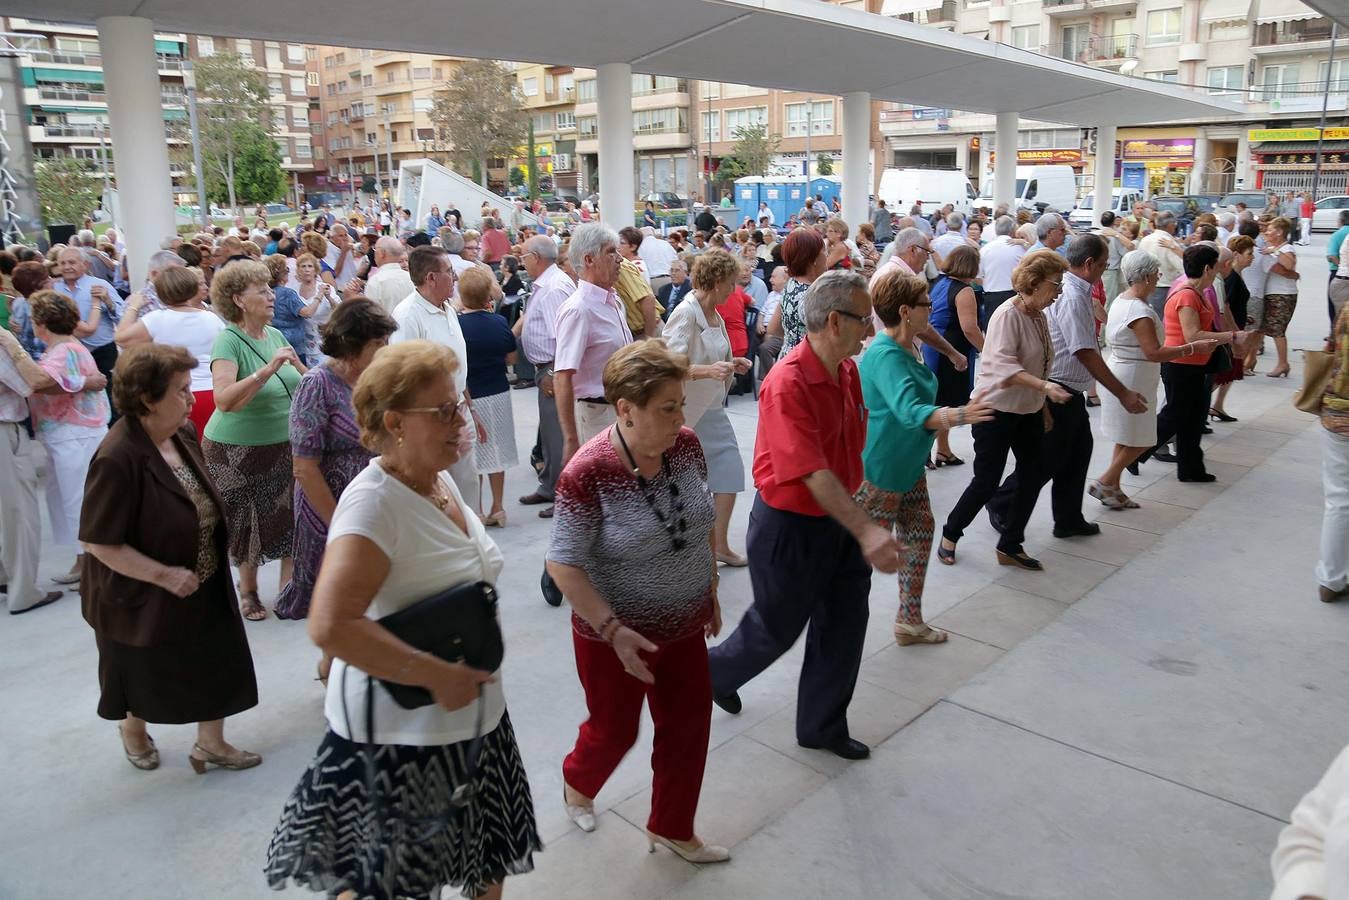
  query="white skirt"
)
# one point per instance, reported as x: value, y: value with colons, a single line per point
x: 1125, y: 428
x: 497, y: 453
x: 70, y: 448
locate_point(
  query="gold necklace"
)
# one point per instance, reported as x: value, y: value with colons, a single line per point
x: 435, y: 495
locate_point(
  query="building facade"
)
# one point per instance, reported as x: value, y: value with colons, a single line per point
x: 663, y: 133
x: 549, y: 95
x: 1270, y: 55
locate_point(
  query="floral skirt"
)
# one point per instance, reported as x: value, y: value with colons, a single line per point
x: 256, y: 484
x: 1278, y: 313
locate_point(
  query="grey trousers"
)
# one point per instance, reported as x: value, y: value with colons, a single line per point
x: 550, y: 438
x: 20, y: 517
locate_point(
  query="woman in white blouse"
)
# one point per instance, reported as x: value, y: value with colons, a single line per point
x: 696, y: 330
x: 1311, y: 861
x: 401, y: 532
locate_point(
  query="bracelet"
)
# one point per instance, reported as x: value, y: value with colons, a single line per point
x: 604, y: 625
x: 945, y: 419
x: 612, y: 632
x: 410, y: 660
x: 1044, y: 387
x: 960, y: 416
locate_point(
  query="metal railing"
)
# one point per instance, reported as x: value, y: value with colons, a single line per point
x: 63, y: 130
x: 72, y: 95
x: 66, y: 59
x: 1096, y: 48
x: 680, y: 87
x: 169, y: 63
x: 1301, y: 31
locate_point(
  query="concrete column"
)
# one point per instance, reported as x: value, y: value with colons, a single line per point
x: 856, y: 157
x: 1203, y: 151
x: 613, y: 91
x: 1004, y: 167
x: 141, y: 154
x: 1105, y: 172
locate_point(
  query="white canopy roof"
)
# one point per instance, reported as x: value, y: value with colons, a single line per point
x: 1337, y: 10
x: 801, y: 45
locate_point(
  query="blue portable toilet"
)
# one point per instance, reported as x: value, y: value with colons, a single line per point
x: 748, y: 193
x: 828, y: 187
x: 784, y: 196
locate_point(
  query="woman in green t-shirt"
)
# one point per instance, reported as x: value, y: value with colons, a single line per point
x: 255, y: 372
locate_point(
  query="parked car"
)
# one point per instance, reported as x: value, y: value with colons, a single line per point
x: 1327, y: 215
x: 665, y: 200
x: 1122, y: 202
x: 277, y: 209
x: 1254, y: 200
x: 1182, y: 206
x: 1208, y: 203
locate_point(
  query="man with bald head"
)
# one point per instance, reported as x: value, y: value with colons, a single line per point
x: 86, y: 290
x: 389, y: 283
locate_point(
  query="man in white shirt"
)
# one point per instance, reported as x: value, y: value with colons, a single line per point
x: 390, y: 283
x: 426, y: 314
x: 765, y: 213
x: 656, y: 254
x: 752, y: 284
x: 997, y: 259
x: 342, y: 257
x: 1161, y: 242
x: 949, y: 239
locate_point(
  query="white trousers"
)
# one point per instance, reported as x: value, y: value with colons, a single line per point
x: 592, y: 418
x: 67, y: 466
x: 20, y: 518
x: 1333, y: 569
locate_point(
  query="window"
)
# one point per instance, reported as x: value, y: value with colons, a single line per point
x: 311, y: 79
x: 1170, y: 76
x: 244, y: 48
x: 1026, y: 37
x: 341, y: 87
x: 820, y: 118
x: 711, y: 90
x: 77, y: 46
x: 366, y: 54
x: 297, y: 85
x: 1278, y: 82
x: 438, y: 74
x: 1339, y: 77
x: 711, y: 126
x: 273, y: 57
x: 391, y: 76
x: 737, y: 119
x: 304, y: 151
x: 311, y: 54
x: 585, y: 91
x: 1049, y: 139
x: 566, y: 83
x: 1164, y: 26
x: 393, y: 135
x: 529, y: 87
x: 274, y: 85
x: 283, y: 146
x: 421, y: 73
x: 586, y: 126
x: 370, y: 137
x: 426, y: 134
x: 332, y: 118
x: 566, y: 121
x: 205, y: 46
x: 423, y: 104
x: 542, y: 122
x: 733, y: 91
x: 295, y: 53
x: 1225, y: 79
x: 339, y: 59
x: 1076, y: 41
x: 655, y: 84
x: 332, y: 90
x: 672, y: 120
x: 367, y: 81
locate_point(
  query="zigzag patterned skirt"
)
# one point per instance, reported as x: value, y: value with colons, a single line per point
x: 334, y: 836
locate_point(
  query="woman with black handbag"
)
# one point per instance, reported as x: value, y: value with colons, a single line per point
x: 418, y: 783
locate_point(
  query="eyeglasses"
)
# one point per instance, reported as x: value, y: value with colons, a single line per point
x: 470, y: 246
x: 446, y: 413
x: 854, y: 316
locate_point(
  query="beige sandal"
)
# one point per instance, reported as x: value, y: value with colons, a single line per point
x: 1111, y: 497
x: 906, y: 634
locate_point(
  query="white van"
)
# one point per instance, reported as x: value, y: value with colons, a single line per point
x: 1122, y: 202
x: 934, y: 188
x: 1038, y: 187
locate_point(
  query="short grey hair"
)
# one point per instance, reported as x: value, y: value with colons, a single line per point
x: 954, y: 221
x: 1047, y: 223
x: 831, y: 292
x: 392, y: 246
x: 86, y: 238
x: 1138, y: 266
x: 1005, y: 226
x: 588, y: 240
x: 165, y: 259
x: 1227, y: 221
x: 542, y: 247
x: 452, y: 242
x: 169, y: 242
x: 908, y: 237
x: 1164, y: 220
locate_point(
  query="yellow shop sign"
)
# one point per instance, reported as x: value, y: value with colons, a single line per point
x: 1296, y: 134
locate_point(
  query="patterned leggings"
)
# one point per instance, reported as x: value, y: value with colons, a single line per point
x: 909, y: 517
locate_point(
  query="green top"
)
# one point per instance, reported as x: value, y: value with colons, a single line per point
x: 4, y: 311
x: 266, y: 418
x: 898, y: 390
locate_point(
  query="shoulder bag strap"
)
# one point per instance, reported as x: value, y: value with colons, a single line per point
x: 249, y: 344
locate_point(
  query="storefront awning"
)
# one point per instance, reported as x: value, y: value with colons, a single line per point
x: 68, y: 75
x: 1225, y: 10
x: 172, y: 48
x: 1283, y: 11
x: 1299, y: 147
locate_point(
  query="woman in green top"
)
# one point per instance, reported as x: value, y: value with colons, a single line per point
x: 900, y: 394
x: 254, y: 371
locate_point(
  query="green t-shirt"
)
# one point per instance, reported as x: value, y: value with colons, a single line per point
x: 900, y: 393
x: 266, y: 418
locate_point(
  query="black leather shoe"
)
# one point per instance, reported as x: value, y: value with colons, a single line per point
x: 998, y: 522
x: 1085, y: 529
x: 1164, y: 455
x: 847, y: 748
x: 1132, y: 468
x: 1202, y: 479
x: 552, y: 595
x: 729, y: 702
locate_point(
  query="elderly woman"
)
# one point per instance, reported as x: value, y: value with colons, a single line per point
x: 803, y: 252
x: 632, y: 552
x: 70, y: 418
x: 1189, y: 317
x: 325, y: 442
x: 1233, y: 300
x: 698, y: 331
x: 902, y: 397
x: 183, y: 323
x: 1332, y: 571
x: 157, y: 589
x: 1013, y: 379
x: 1280, y: 291
x: 954, y: 314
x: 401, y: 533
x: 840, y: 252
x: 490, y: 347
x: 291, y: 315
x: 28, y: 278
x: 1134, y: 333
x: 255, y: 372
x: 866, y: 248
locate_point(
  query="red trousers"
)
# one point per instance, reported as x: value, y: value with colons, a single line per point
x: 681, y: 708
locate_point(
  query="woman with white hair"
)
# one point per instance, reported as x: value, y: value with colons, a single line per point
x: 1134, y: 333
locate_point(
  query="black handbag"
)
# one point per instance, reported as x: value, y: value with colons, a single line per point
x: 457, y: 625
x: 1219, y: 361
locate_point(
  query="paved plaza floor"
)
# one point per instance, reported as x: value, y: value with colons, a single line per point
x: 1137, y: 721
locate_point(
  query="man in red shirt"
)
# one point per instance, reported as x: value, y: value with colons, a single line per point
x: 811, y: 548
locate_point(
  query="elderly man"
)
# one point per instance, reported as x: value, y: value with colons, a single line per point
x: 1142, y: 217
x: 657, y: 256
x: 1227, y: 227
x: 389, y: 284
x: 591, y: 326
x: 96, y: 261
x: 342, y: 257
x: 146, y: 300
x: 997, y: 259
x: 912, y: 249
x: 1166, y: 248
x: 1065, y: 455
x: 811, y: 547
x: 538, y: 341
x: 86, y: 290
x: 426, y: 314
x: 751, y: 283
x: 670, y: 296
x: 949, y: 239
x: 1052, y: 234
x: 463, y: 247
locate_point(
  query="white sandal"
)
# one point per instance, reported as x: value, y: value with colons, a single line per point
x: 906, y: 634
x: 1111, y: 497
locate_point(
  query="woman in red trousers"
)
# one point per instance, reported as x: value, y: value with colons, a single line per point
x: 632, y: 552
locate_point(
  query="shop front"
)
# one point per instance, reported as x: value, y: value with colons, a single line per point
x: 1157, y: 165
x: 1285, y: 159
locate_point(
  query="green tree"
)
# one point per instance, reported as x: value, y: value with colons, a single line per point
x: 233, y: 110
x: 258, y: 176
x: 755, y: 148
x: 824, y: 164
x: 480, y: 112
x: 65, y: 190
x: 732, y: 167
x: 517, y: 176
x: 532, y: 164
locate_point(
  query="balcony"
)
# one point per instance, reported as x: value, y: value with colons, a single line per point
x: 169, y: 63
x: 680, y: 87
x: 66, y: 59
x: 398, y: 86
x: 1064, y: 7
x: 942, y: 13
x: 1300, y: 36
x: 62, y: 130
x: 1098, y: 49
x: 72, y: 96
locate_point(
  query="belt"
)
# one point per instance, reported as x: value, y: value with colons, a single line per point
x: 1068, y: 387
x: 600, y: 400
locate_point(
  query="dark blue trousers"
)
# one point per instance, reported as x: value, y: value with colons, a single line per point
x: 807, y: 572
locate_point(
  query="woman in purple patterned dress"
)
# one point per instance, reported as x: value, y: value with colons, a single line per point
x: 325, y: 440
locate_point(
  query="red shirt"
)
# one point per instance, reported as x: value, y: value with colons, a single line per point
x: 1308, y: 208
x: 732, y: 311
x: 495, y: 245
x: 1186, y: 298
x: 807, y: 423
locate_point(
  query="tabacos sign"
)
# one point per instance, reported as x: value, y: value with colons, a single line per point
x: 1043, y: 156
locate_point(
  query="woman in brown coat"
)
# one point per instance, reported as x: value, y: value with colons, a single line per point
x: 156, y: 584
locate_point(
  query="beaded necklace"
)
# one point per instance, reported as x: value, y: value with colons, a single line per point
x: 674, y: 522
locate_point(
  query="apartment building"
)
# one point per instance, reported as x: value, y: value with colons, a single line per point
x: 549, y: 94
x: 1270, y: 55
x: 663, y: 133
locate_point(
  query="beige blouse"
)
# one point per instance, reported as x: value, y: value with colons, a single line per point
x: 1014, y: 343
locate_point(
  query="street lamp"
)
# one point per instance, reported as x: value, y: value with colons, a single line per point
x: 190, y: 89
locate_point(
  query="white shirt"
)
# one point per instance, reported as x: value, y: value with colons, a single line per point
x: 656, y: 254
x: 538, y: 337
x: 419, y: 320
x: 348, y: 270
x: 1281, y: 284
x: 1169, y: 262
x: 388, y: 285
x: 1312, y: 856
x: 195, y: 329
x: 944, y: 243
x: 14, y: 388
x: 770, y: 305
x: 765, y: 212
x: 996, y: 262
x: 1072, y: 328
x: 427, y: 554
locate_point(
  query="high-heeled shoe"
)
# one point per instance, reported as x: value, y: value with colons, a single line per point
x: 1217, y: 415
x: 147, y: 761
x: 702, y: 853
x: 731, y: 558
x: 923, y: 633
x: 1019, y: 560
x: 201, y: 758
x: 495, y: 520
x: 583, y: 817
x: 1278, y: 373
x: 944, y: 556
